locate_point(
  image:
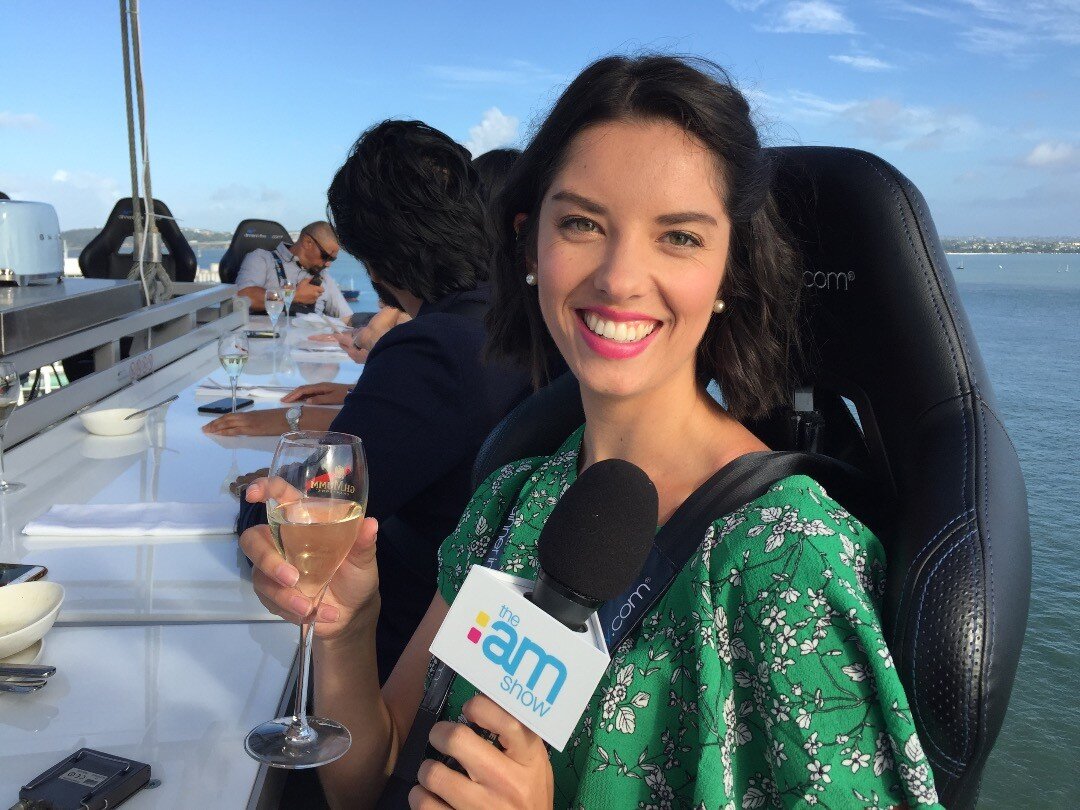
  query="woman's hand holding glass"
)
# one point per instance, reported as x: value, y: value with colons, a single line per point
x: 353, y: 590
x: 316, y: 497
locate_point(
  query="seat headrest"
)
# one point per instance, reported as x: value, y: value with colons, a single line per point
x: 250, y: 234
x: 101, y: 258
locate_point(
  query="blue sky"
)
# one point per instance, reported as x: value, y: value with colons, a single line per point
x: 253, y: 105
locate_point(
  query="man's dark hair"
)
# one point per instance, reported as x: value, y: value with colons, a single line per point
x: 751, y: 349
x: 407, y: 203
x: 494, y: 167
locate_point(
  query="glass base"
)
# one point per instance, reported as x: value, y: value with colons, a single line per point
x: 275, y: 743
x: 11, y: 486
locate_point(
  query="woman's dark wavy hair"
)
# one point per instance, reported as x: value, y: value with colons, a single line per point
x: 751, y: 349
x: 408, y: 204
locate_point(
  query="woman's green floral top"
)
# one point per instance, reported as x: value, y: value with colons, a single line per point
x: 760, y: 679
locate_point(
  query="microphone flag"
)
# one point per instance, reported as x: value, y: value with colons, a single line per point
x: 532, y: 665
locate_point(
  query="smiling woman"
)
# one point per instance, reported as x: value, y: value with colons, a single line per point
x: 638, y: 237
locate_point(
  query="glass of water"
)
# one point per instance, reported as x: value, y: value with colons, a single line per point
x: 274, y: 304
x: 232, y: 351
x: 288, y: 292
x: 10, y: 388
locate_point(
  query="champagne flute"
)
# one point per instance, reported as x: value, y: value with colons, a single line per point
x: 232, y: 351
x: 10, y: 388
x: 318, y: 495
x: 274, y: 304
x: 288, y: 292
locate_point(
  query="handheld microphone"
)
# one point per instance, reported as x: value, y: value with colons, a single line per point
x: 595, y: 541
x: 535, y: 648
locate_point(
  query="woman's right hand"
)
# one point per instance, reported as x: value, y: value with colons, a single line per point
x: 353, y: 593
x: 319, y: 394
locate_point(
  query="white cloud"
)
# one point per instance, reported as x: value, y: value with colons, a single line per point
x: 868, y: 64
x: 1051, y: 153
x: 886, y: 122
x: 516, y: 72
x: 495, y: 130
x: 10, y: 120
x: 813, y: 17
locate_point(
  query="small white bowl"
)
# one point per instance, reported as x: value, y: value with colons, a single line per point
x: 27, y: 613
x: 112, y: 422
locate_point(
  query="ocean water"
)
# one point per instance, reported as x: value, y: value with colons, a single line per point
x: 1025, y: 313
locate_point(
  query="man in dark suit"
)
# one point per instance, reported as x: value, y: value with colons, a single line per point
x: 408, y: 204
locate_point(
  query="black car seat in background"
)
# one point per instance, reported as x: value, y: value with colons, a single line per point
x: 249, y: 235
x: 102, y: 258
x: 886, y: 332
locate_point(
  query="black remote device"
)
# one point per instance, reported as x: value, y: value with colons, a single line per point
x: 87, y: 780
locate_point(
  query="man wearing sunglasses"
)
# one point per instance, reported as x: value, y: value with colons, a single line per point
x: 302, y: 263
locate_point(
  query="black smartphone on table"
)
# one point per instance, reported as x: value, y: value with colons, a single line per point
x: 262, y: 333
x: 14, y: 573
x: 225, y: 405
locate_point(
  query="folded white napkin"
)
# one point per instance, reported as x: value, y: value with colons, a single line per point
x: 135, y: 519
x: 311, y: 319
x: 212, y: 388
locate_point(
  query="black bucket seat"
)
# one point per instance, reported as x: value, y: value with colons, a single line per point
x: 250, y: 234
x: 101, y: 258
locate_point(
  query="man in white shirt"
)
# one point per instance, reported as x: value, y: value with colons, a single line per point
x: 301, y: 263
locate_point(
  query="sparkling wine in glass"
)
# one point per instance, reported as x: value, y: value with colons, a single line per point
x: 318, y: 495
x: 232, y: 351
x: 10, y: 388
x: 288, y: 293
x: 274, y: 304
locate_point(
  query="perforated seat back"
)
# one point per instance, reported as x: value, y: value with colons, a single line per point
x: 249, y: 235
x: 101, y: 258
x: 886, y: 330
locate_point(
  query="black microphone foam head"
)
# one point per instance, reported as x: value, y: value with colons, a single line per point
x: 599, y: 533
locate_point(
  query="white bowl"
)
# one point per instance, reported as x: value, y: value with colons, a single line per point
x: 112, y: 422
x: 27, y: 612
x: 31, y: 655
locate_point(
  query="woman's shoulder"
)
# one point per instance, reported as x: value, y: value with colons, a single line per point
x: 795, y: 518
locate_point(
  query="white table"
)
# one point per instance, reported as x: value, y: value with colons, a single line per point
x: 163, y: 653
x: 171, y: 459
x: 180, y: 697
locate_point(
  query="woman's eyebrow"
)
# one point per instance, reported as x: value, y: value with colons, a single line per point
x: 589, y: 205
x: 686, y: 216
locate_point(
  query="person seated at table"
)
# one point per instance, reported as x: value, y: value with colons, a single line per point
x: 493, y: 167
x: 406, y: 203
x: 640, y: 238
x: 301, y: 263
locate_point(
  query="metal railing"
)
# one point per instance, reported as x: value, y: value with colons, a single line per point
x: 198, y: 315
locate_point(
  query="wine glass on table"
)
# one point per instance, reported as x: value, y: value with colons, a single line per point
x: 10, y: 387
x: 274, y: 304
x: 288, y: 293
x: 232, y: 351
x: 317, y: 490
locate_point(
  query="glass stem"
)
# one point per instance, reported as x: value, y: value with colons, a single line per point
x: 2, y: 481
x: 300, y: 730
x: 233, y: 381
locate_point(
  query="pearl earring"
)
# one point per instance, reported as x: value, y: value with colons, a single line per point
x: 530, y: 279
x: 718, y: 306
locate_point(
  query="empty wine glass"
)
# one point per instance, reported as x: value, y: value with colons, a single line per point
x: 10, y: 388
x: 274, y: 304
x: 318, y: 491
x: 232, y: 351
x: 288, y: 292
